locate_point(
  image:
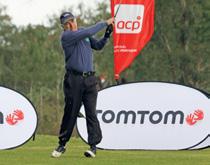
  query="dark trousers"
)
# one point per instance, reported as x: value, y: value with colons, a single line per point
x: 78, y: 90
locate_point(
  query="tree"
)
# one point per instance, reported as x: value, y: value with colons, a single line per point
x: 7, y: 31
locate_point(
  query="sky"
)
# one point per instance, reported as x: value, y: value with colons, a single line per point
x: 24, y: 12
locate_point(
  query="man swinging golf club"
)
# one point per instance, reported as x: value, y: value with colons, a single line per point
x: 79, y: 80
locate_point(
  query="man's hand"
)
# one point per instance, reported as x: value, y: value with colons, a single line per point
x: 110, y: 21
x: 109, y: 28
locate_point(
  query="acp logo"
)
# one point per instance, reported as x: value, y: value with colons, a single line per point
x: 13, y: 118
x: 152, y: 116
x: 18, y: 119
x: 129, y: 18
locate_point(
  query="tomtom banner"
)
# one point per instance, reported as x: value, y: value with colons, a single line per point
x: 151, y: 116
x: 18, y: 119
x: 134, y: 26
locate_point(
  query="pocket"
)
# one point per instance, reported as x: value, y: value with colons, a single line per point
x: 90, y: 81
x: 67, y: 81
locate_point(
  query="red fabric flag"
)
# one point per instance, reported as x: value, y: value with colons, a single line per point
x: 134, y: 26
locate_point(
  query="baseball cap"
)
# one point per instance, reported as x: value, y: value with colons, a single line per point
x: 65, y: 16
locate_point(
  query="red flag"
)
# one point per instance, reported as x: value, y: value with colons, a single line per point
x: 134, y: 26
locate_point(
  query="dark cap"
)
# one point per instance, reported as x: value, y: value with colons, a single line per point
x: 65, y: 17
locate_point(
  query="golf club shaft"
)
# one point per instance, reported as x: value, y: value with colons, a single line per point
x: 117, y: 9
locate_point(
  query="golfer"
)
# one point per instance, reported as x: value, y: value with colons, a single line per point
x: 79, y: 80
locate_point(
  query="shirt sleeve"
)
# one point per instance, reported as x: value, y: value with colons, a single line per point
x: 74, y: 36
x: 97, y: 44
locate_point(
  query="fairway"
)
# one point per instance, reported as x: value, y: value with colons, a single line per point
x: 38, y: 152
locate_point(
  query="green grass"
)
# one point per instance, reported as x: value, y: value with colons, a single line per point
x: 38, y: 153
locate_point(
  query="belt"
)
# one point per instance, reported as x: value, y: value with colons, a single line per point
x: 83, y: 74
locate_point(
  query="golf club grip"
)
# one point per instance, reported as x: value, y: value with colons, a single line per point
x: 110, y: 27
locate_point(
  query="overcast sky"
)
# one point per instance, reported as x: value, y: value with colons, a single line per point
x: 24, y: 12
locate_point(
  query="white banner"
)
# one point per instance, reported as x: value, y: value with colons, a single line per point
x: 18, y: 119
x: 151, y: 116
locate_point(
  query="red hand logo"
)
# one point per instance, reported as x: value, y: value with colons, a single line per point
x: 194, y: 117
x: 190, y: 119
x: 18, y: 114
x: 199, y: 114
x: 11, y: 120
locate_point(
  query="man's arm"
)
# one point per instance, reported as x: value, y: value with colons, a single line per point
x: 74, y: 36
x: 97, y: 44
